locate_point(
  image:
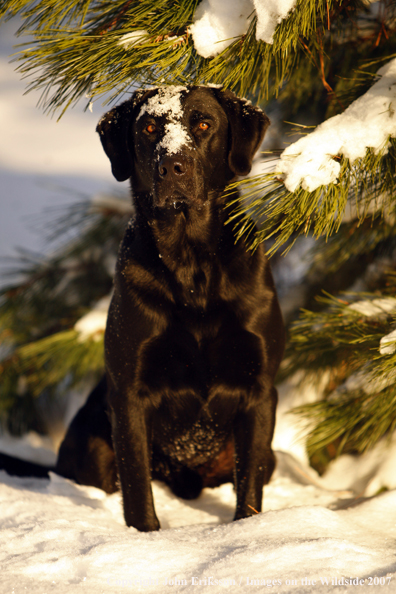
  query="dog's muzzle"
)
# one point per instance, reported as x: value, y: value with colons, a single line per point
x: 175, y: 169
x: 177, y: 181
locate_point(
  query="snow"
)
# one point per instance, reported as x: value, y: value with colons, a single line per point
x: 174, y: 138
x: 168, y: 101
x: 93, y: 324
x: 366, y: 474
x: 60, y: 536
x: 134, y: 38
x: 367, y: 123
x: 31, y: 446
x: 269, y: 14
x: 217, y: 23
x: 388, y: 343
x: 374, y: 307
x: 314, y: 534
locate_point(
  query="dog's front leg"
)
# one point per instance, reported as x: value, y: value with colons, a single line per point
x: 132, y: 444
x: 255, y: 461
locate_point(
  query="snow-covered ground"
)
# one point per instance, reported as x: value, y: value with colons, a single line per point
x: 58, y: 537
x: 316, y: 534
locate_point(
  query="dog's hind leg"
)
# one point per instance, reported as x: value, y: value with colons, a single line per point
x: 86, y: 454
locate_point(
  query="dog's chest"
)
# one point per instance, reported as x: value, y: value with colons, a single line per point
x: 191, y: 442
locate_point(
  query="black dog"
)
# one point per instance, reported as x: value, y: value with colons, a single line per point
x: 194, y: 335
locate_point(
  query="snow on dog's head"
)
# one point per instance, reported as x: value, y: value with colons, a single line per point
x: 167, y: 102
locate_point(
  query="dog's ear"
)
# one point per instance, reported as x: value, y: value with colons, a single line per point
x: 114, y: 129
x: 248, y: 125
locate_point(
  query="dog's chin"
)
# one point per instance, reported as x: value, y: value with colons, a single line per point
x: 178, y: 202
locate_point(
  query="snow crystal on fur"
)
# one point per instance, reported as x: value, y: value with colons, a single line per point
x: 167, y: 102
x: 175, y: 137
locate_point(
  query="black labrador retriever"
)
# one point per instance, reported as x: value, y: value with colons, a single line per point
x: 194, y: 335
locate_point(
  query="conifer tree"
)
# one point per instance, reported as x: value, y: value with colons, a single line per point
x: 328, y: 66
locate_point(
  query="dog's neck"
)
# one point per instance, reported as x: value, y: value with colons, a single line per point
x: 199, y: 226
x: 189, y: 241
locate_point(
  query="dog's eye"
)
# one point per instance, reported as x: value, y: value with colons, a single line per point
x: 151, y: 128
x: 203, y: 126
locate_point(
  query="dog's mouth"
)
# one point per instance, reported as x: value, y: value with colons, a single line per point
x: 178, y: 204
x: 175, y: 200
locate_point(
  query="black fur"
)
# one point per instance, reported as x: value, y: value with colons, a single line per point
x: 194, y: 335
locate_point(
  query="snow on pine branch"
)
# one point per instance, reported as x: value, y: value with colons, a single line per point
x: 374, y: 307
x: 93, y: 324
x: 367, y: 123
x: 388, y: 343
x: 218, y: 23
x: 134, y: 38
x: 378, y: 307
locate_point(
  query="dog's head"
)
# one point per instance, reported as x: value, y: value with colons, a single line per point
x: 180, y: 144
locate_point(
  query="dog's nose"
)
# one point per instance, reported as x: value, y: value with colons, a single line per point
x: 172, y: 166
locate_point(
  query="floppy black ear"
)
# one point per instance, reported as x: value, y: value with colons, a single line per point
x: 248, y: 125
x: 114, y: 129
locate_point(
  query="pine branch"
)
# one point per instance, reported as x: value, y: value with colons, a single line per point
x: 51, y: 360
x: 40, y: 346
x: 356, y: 422
x: 80, y: 48
x: 344, y: 341
x: 369, y: 184
x: 370, y: 236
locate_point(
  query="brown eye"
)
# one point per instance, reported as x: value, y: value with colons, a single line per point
x: 151, y: 128
x: 203, y: 126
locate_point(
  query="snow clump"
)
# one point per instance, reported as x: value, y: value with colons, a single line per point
x: 174, y: 138
x: 269, y: 14
x: 93, y: 324
x: 388, y: 343
x: 367, y: 123
x: 134, y: 38
x: 167, y: 102
x: 374, y: 307
x: 218, y: 23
